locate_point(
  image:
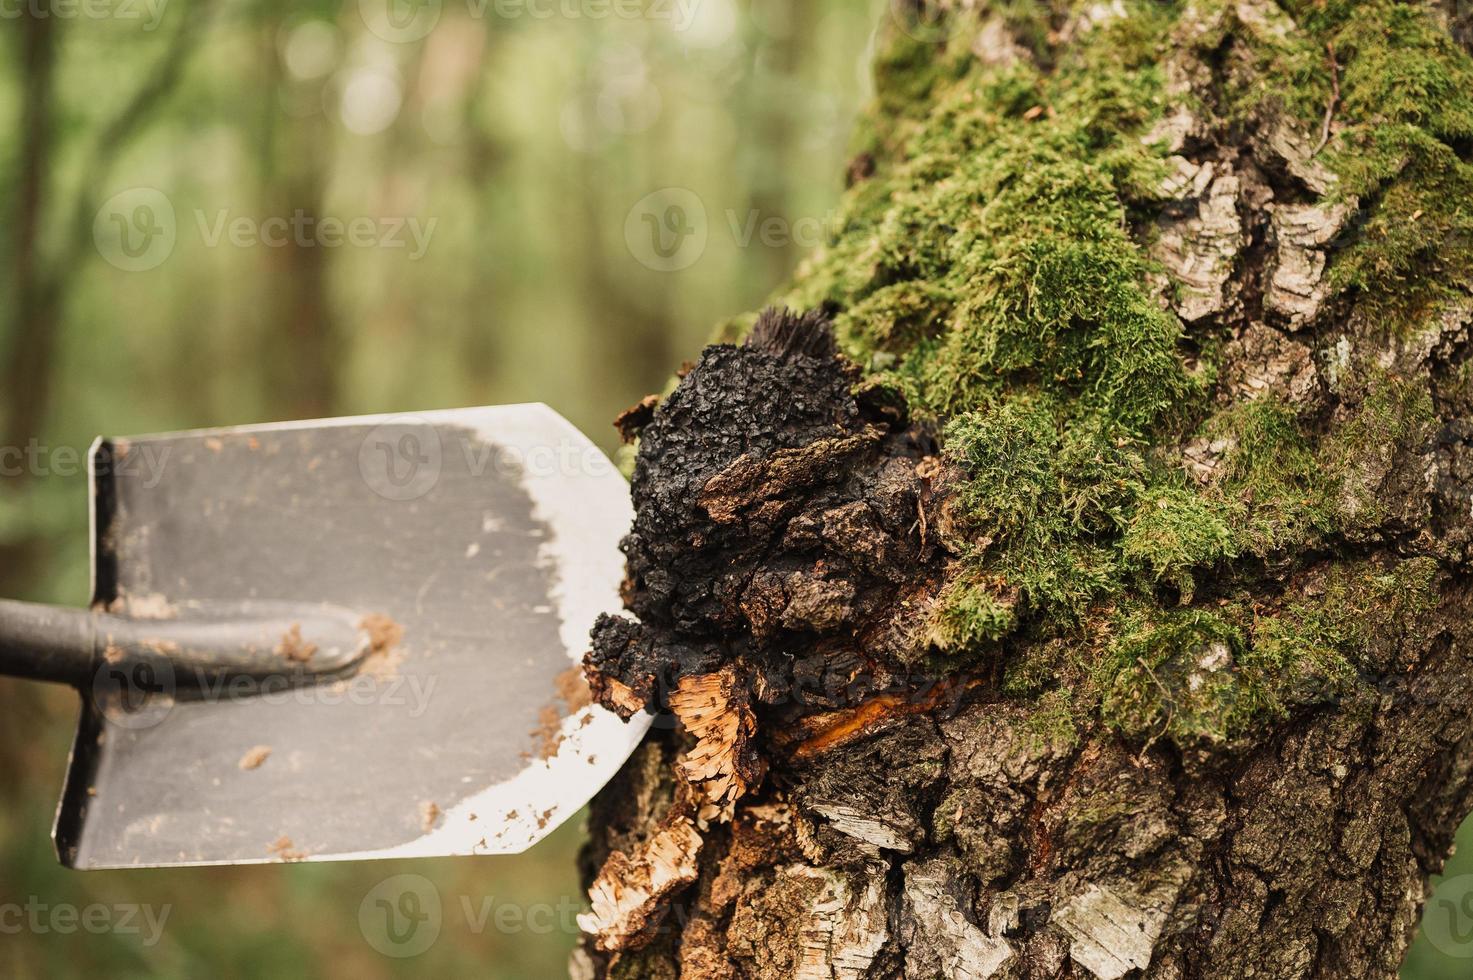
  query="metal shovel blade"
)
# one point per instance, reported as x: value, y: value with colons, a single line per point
x: 479, y: 545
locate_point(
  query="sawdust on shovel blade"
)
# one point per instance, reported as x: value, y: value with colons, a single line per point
x: 293, y: 647
x: 572, y: 690
x: 254, y: 757
x: 283, y: 848
x: 384, y: 655
x: 151, y: 606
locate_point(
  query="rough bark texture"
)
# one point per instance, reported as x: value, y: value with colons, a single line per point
x: 1000, y: 640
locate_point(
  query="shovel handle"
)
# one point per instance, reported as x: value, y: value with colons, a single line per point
x: 46, y: 643
x: 203, y: 643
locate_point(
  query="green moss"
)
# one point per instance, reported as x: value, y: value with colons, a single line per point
x: 897, y: 318
x: 971, y: 613
x: 1272, y: 488
x: 1408, y: 97
x: 1173, y: 674
x: 1174, y: 530
x: 993, y: 269
x: 1198, y: 676
x: 1044, y: 503
x: 1396, y: 415
x: 1053, y: 724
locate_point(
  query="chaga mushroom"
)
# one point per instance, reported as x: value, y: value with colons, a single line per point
x: 779, y: 530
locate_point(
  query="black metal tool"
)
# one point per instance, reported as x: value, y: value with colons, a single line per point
x: 344, y: 639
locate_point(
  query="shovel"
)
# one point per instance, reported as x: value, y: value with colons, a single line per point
x: 335, y: 640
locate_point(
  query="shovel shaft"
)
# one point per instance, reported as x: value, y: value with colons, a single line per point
x: 206, y: 643
x: 46, y: 643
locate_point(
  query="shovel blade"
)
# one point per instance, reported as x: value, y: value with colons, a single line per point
x: 480, y: 544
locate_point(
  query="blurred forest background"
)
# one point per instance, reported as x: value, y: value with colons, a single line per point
x: 474, y: 202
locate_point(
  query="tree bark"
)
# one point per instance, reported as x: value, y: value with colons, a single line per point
x: 983, y: 644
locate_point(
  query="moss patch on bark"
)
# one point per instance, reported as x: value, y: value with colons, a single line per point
x: 996, y: 268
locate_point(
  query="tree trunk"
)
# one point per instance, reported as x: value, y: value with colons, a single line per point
x: 1080, y: 588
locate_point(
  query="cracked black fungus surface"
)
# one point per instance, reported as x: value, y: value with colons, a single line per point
x: 778, y: 528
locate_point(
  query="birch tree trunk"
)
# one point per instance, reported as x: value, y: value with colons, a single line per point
x: 1076, y: 583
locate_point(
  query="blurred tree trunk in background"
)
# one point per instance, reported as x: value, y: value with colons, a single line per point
x: 1107, y: 612
x: 31, y: 326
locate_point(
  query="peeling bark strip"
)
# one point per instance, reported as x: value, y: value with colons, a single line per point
x: 628, y: 894
x: 1160, y: 669
x: 721, y: 765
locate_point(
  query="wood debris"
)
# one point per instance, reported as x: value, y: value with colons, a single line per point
x: 293, y: 647
x: 573, y: 692
x: 284, y: 849
x: 633, y: 419
x: 722, y: 766
x: 627, y: 896
x: 151, y: 606
x: 384, y: 654
x: 254, y: 757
